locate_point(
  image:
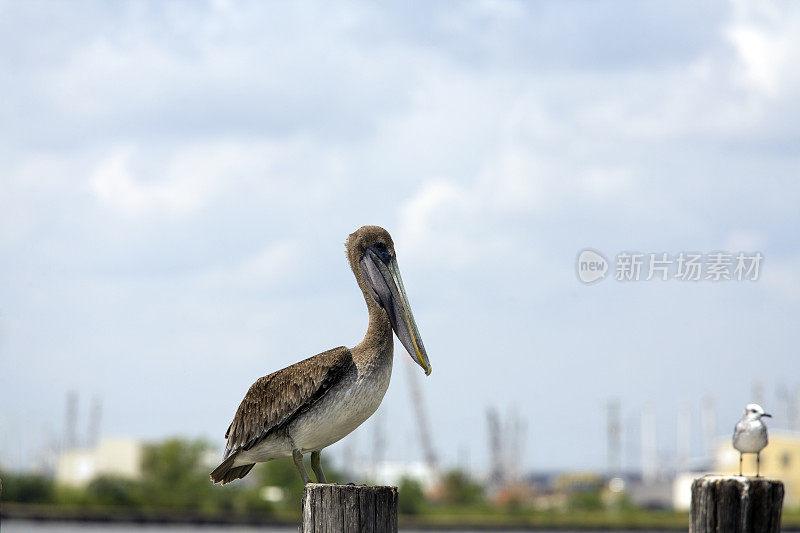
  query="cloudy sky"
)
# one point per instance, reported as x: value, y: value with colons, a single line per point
x: 178, y: 180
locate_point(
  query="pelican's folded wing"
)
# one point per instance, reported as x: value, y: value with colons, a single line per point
x: 274, y: 400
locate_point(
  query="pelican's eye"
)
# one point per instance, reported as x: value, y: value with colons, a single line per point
x: 380, y: 250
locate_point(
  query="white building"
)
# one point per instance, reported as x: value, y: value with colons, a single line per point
x: 682, y: 489
x: 391, y: 472
x: 112, y: 456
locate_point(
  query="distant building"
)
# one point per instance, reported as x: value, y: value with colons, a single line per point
x: 111, y: 456
x: 651, y: 493
x: 682, y: 489
x: 779, y: 460
x: 390, y: 473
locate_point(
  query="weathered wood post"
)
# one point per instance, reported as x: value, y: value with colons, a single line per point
x: 333, y: 508
x: 736, y: 504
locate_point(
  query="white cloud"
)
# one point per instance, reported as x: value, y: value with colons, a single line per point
x: 782, y: 278
x: 115, y: 184
x: 141, y: 180
x: 744, y: 241
x: 465, y: 224
x: 266, y: 269
x: 766, y: 37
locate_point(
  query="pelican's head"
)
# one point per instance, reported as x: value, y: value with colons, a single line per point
x: 754, y: 411
x: 370, y: 250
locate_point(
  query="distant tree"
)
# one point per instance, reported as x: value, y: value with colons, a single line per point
x: 27, y: 488
x: 173, y: 474
x: 411, y: 496
x: 173, y: 461
x: 283, y: 474
x: 458, y: 488
x: 586, y: 500
x: 114, y: 490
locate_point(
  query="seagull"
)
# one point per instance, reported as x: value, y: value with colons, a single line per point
x: 750, y: 434
x: 310, y: 405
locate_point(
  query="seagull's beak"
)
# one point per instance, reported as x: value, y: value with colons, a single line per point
x: 766, y: 414
x: 383, y: 277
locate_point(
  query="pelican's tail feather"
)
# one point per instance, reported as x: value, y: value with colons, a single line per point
x: 226, y: 472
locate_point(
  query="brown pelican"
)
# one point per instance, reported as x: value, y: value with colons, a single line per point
x: 316, y: 402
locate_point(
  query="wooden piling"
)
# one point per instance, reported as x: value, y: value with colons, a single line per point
x: 332, y: 508
x: 736, y: 504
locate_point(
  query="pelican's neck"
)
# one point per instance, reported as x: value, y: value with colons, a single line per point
x: 378, y: 338
x: 379, y: 331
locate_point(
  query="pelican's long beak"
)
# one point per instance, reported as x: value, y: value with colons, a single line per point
x: 383, y: 276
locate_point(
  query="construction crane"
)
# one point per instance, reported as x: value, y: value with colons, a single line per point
x: 497, y: 476
x: 614, y: 435
x: 93, y: 428
x: 791, y: 399
x: 71, y: 422
x: 422, y: 419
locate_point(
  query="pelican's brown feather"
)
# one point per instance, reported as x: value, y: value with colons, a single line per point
x: 275, y: 400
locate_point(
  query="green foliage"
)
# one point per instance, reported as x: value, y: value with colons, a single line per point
x: 283, y: 474
x: 458, y: 488
x: 73, y: 496
x: 236, y: 498
x: 586, y: 500
x: 27, y: 488
x: 173, y: 475
x: 622, y: 503
x: 173, y: 463
x: 113, y: 490
x: 514, y: 505
x: 411, y: 496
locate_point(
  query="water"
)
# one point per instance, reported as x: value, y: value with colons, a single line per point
x: 25, y: 526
